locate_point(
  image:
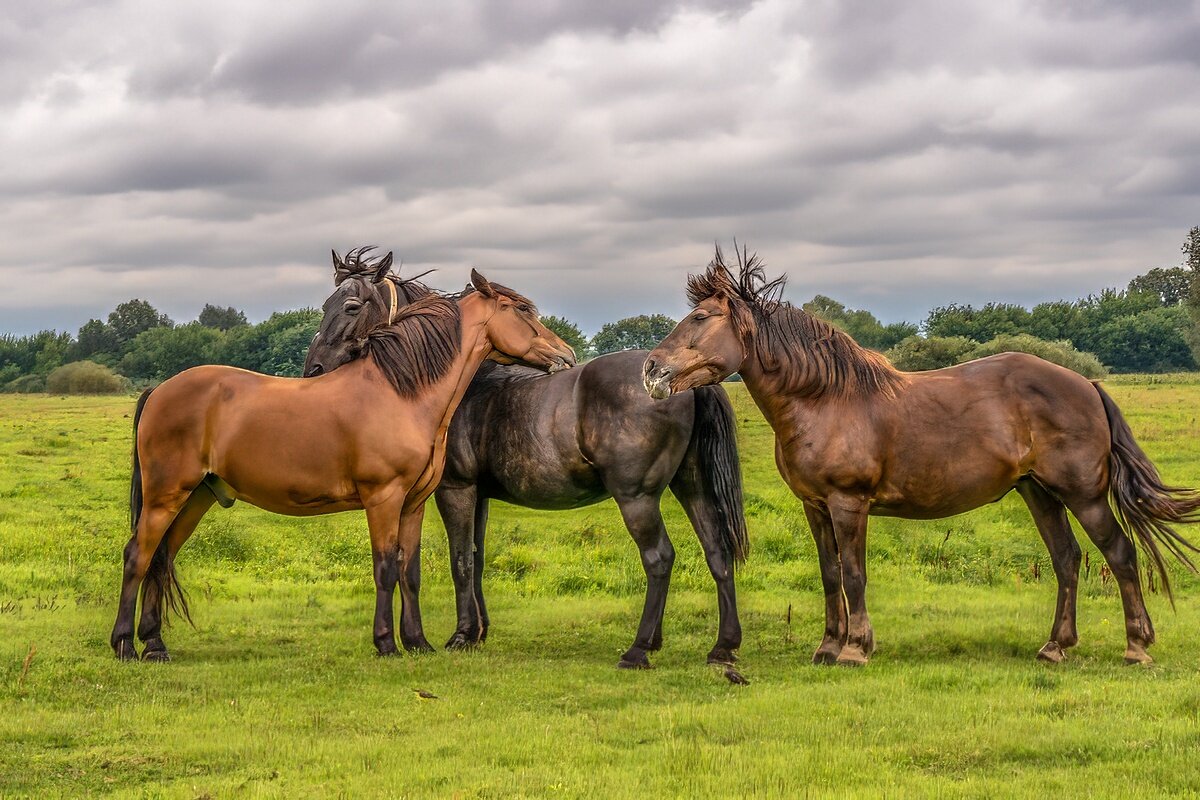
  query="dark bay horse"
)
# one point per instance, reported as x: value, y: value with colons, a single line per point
x: 572, y: 439
x: 855, y: 437
x: 370, y: 436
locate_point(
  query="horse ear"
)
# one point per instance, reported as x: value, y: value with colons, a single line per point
x: 481, y: 284
x: 340, y: 270
x: 381, y: 270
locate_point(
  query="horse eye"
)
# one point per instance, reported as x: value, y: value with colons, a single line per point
x: 352, y: 307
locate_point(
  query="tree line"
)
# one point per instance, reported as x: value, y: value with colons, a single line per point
x: 1152, y: 325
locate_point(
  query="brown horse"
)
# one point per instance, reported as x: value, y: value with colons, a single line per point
x: 369, y: 436
x: 855, y: 437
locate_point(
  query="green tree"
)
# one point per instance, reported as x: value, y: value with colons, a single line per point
x: 96, y: 341
x: 570, y: 333
x: 981, y: 324
x: 1152, y: 341
x: 134, y: 316
x: 221, y: 318
x: 160, y: 352
x: 252, y: 346
x: 632, y: 333
x: 1170, y: 285
x: 862, y: 325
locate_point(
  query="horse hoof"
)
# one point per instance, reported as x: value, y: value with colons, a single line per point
x: 419, y: 648
x: 460, y: 641
x: 1052, y: 653
x: 852, y: 656
x: 825, y: 656
x: 160, y: 656
x: 722, y: 655
x: 1137, y: 655
x: 634, y: 659
x: 125, y: 651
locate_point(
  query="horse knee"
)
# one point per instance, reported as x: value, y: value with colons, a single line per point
x: 659, y: 561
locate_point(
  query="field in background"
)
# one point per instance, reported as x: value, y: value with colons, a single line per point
x: 276, y: 692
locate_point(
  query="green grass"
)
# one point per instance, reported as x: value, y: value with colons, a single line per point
x: 276, y: 691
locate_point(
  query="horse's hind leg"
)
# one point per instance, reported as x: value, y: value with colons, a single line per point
x: 155, y: 517
x: 458, y: 509
x: 150, y: 626
x: 1050, y: 516
x: 645, y: 523
x: 707, y: 524
x: 1096, y: 517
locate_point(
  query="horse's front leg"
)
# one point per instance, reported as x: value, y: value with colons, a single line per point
x: 383, y: 522
x: 849, y: 517
x: 412, y: 634
x: 821, y: 525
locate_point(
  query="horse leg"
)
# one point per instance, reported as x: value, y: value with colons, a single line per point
x: 457, y: 507
x: 706, y: 522
x: 383, y: 523
x: 821, y: 525
x: 1050, y: 516
x: 153, y: 603
x: 412, y: 634
x: 481, y: 520
x: 1096, y: 517
x: 849, y: 517
x: 644, y: 521
x: 153, y: 520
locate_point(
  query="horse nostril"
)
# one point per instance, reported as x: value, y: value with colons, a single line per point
x: 649, y: 369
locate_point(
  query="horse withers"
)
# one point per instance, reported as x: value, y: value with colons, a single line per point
x: 368, y: 436
x: 855, y: 437
x: 569, y: 440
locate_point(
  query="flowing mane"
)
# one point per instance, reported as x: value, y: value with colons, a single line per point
x: 833, y: 364
x: 418, y: 348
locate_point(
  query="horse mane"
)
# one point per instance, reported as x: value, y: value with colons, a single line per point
x: 417, y: 349
x: 835, y: 364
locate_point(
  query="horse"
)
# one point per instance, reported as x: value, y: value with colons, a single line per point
x: 371, y: 436
x: 854, y: 437
x: 572, y: 439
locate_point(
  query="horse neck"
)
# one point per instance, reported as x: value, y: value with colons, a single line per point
x: 474, y: 347
x: 803, y: 379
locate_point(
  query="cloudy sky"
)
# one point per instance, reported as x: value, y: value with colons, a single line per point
x: 893, y: 155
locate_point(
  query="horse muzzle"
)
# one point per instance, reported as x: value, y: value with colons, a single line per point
x: 657, y: 380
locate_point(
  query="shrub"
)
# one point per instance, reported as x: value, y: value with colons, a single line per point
x: 26, y: 384
x: 85, y: 377
x: 916, y: 353
x: 1062, y: 353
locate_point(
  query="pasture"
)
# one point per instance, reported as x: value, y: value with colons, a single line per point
x: 277, y: 691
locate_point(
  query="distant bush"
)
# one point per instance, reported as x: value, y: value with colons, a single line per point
x: 26, y: 384
x: 917, y: 353
x: 1061, y: 353
x: 85, y: 377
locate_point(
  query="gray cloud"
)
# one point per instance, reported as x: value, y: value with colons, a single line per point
x: 895, y: 156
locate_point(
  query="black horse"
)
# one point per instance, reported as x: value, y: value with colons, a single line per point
x: 564, y: 441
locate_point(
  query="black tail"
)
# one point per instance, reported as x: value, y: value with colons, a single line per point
x: 714, y: 444
x: 1144, y: 504
x: 161, y: 571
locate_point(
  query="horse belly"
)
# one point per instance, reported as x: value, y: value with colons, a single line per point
x: 944, y: 490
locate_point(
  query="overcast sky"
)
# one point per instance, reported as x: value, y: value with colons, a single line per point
x: 895, y: 156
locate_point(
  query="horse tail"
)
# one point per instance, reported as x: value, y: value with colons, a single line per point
x: 161, y: 570
x: 719, y: 473
x: 1144, y: 504
x: 135, y: 481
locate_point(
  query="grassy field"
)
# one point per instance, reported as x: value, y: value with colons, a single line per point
x: 276, y: 692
